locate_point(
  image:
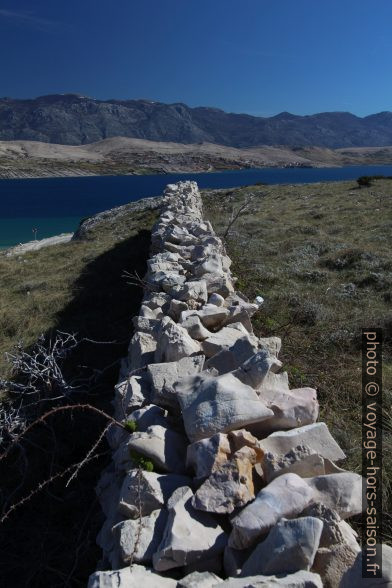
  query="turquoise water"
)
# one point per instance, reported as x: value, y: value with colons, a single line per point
x: 56, y: 205
x: 21, y: 228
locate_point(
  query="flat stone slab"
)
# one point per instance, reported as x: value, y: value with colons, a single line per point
x: 138, y: 539
x: 316, y: 436
x: 343, y: 492
x: 290, y: 546
x: 190, y: 536
x: 164, y: 447
x: 153, y: 489
x: 217, y: 404
x: 286, y: 496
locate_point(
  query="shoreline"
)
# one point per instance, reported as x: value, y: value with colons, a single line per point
x: 193, y: 172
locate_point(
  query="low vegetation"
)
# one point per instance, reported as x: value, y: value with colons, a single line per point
x: 77, y: 287
x: 320, y: 255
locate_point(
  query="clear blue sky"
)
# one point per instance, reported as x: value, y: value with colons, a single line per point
x: 256, y: 56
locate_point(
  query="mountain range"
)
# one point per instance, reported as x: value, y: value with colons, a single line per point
x: 72, y: 119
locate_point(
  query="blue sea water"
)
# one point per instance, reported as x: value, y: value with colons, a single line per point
x: 56, y: 205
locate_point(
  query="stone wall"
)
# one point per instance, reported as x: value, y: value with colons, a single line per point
x: 227, y: 478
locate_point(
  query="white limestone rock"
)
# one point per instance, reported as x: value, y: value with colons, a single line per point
x: 343, y: 492
x: 155, y: 490
x: 163, y: 376
x: 290, y: 546
x: 255, y: 369
x: 190, y: 536
x: 149, y: 415
x: 316, y: 436
x: 130, y: 578
x: 191, y: 290
x: 226, y: 338
x: 129, y: 395
x: 164, y: 447
x: 195, y: 328
x: 216, y: 299
x: 174, y: 343
x: 210, y: 405
x: 142, y: 349
x: 176, y: 308
x: 138, y: 540
x: 300, y: 460
x: 296, y: 408
x: 228, y: 360
x: 286, y: 496
x: 205, y: 456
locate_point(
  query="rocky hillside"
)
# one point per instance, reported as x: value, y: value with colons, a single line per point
x: 72, y: 119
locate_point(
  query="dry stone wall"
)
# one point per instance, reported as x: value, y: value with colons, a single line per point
x: 227, y: 478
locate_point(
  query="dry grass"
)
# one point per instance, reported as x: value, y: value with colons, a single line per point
x: 74, y: 287
x: 320, y: 255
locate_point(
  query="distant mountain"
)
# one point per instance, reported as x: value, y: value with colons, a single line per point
x: 72, y: 119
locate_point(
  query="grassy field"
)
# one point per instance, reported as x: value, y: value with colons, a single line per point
x: 321, y: 256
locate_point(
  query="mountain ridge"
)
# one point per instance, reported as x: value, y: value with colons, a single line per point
x: 74, y: 119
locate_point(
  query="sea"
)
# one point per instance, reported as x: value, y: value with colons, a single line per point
x: 46, y: 207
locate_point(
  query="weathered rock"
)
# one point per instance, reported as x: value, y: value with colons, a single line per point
x: 176, y: 308
x: 216, y: 299
x: 189, y: 536
x: 130, y: 578
x: 271, y: 344
x: 156, y: 300
x: 295, y: 408
x: 286, y: 496
x: 210, y: 405
x: 335, y: 530
x: 199, y: 580
x: 290, y: 546
x: 195, y: 328
x: 228, y: 360
x: 353, y: 577
x: 300, y: 460
x: 225, y: 339
x: 149, y: 415
x: 229, y: 487
x: 138, y: 539
x: 154, y: 489
x: 164, y: 447
x: 254, y: 370
x: 222, y: 285
x: 142, y: 350
x: 344, y: 492
x: 206, y: 456
x: 163, y: 376
x: 129, y: 395
x: 315, y: 436
x: 331, y: 563
x: 193, y: 290
x: 302, y: 579
x: 174, y: 343
x: 147, y: 325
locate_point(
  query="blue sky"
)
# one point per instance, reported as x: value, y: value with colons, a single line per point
x: 255, y: 56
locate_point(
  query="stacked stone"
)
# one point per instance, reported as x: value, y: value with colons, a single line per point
x: 244, y: 489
